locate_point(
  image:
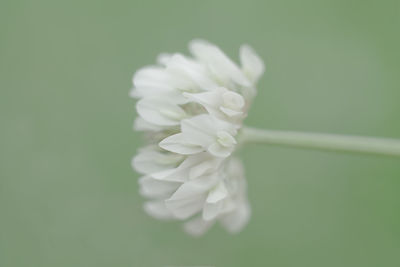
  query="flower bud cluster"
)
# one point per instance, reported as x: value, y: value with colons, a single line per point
x: 191, y: 109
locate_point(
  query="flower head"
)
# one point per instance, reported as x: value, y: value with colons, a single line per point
x: 191, y: 110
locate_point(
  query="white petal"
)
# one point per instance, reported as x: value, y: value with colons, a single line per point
x: 149, y: 160
x: 195, y: 187
x: 192, y: 167
x: 178, y: 143
x: 202, y: 168
x: 190, y: 197
x: 230, y: 205
x: 252, y: 64
x: 208, y: 125
x: 212, y: 210
x: 211, y: 101
x: 164, y: 58
x: 193, y: 71
x: 200, y: 129
x: 141, y: 125
x: 235, y: 221
x: 218, y: 193
x: 184, y: 208
x: 152, y: 79
x: 197, y: 226
x: 156, y: 81
x: 144, y: 164
x: 233, y: 100
x: 199, y: 164
x: 235, y: 168
x: 167, y: 175
x: 158, y: 210
x: 159, y: 112
x: 219, y: 103
x: 218, y: 62
x: 230, y: 112
x: 205, y: 99
x: 225, y: 139
x: 220, y: 151
x: 150, y: 187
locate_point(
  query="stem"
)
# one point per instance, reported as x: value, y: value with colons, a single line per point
x: 330, y: 142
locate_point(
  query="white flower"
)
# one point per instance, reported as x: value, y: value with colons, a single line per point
x: 192, y: 110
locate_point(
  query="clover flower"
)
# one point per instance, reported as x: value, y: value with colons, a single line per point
x: 191, y: 110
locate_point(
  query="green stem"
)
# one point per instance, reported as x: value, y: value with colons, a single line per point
x: 330, y: 142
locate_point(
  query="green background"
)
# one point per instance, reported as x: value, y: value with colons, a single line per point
x: 68, y: 196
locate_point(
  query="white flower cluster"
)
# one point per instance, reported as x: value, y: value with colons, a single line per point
x: 191, y: 110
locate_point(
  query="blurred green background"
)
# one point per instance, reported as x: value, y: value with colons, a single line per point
x: 68, y: 196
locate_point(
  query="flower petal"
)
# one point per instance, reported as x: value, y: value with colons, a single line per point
x: 141, y: 125
x: 184, y: 208
x: 252, y: 64
x: 152, y: 78
x: 218, y: 150
x: 200, y: 129
x: 220, y: 64
x: 152, y: 188
x: 149, y: 160
x: 192, y: 167
x: 157, y: 209
x: 195, y: 187
x: 160, y: 112
x: 236, y: 220
x: 193, y: 71
x: 178, y: 143
x: 218, y: 193
x: 197, y: 226
x: 212, y: 210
